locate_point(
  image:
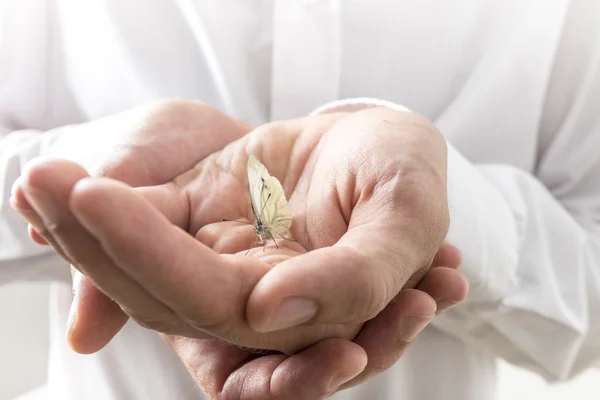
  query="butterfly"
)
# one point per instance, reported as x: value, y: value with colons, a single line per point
x: 272, y: 217
x: 269, y: 205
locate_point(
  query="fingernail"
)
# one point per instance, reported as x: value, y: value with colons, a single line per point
x: 72, y: 314
x: 17, y: 202
x: 338, y: 381
x: 290, y: 313
x: 76, y: 276
x: 44, y: 204
x: 15, y: 186
x: 444, y: 304
x: 410, y: 327
x: 73, y: 310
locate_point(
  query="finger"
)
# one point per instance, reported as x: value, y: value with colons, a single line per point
x: 318, y: 371
x: 447, y: 286
x: 35, y: 236
x: 47, y: 187
x: 201, y: 286
x: 163, y: 197
x: 443, y: 282
x: 169, y: 201
x: 226, y: 372
x: 329, y: 285
x: 19, y: 203
x: 387, y: 337
x: 210, y: 361
x: 448, y: 256
x: 94, y: 319
x: 226, y: 237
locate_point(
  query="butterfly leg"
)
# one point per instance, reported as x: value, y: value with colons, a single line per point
x: 251, y: 247
x: 254, y: 244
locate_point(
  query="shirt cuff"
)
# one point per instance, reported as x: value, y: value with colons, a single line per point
x: 356, y: 104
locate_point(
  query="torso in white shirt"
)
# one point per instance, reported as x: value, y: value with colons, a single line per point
x: 479, y: 69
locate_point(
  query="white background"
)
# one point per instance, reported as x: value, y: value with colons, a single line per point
x: 24, y: 346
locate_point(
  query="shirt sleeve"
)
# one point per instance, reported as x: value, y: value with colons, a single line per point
x: 87, y: 144
x: 20, y: 258
x: 531, y: 240
x: 38, y: 117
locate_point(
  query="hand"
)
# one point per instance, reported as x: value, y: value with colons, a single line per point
x: 157, y: 142
x: 155, y: 199
x: 227, y: 372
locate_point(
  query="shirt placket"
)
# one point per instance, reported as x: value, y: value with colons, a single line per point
x: 306, y: 56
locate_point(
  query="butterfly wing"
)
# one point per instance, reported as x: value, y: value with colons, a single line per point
x: 276, y: 215
x: 257, y: 174
x: 269, y: 204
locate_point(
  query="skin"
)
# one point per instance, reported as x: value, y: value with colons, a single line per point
x: 367, y: 191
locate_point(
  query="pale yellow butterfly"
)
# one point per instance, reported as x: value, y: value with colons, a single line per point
x: 272, y: 217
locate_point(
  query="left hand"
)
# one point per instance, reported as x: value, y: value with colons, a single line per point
x: 227, y: 372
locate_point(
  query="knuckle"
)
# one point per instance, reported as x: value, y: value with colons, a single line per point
x: 381, y: 365
x: 373, y: 301
x: 367, y: 299
x: 218, y: 326
x: 54, y: 228
x: 244, y: 388
x: 423, y: 198
x: 228, y: 395
x: 173, y: 113
x: 269, y: 130
x: 178, y: 107
x: 159, y: 323
x: 383, y: 361
x: 59, y: 234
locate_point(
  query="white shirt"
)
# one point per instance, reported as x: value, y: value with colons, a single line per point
x: 513, y: 85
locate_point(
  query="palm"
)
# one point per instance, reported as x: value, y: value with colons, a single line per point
x: 335, y: 193
x: 346, y: 189
x: 217, y: 189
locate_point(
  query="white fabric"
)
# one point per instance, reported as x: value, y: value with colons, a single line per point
x: 513, y: 85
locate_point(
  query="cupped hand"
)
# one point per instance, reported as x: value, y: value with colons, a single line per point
x: 368, y: 195
x: 155, y: 143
